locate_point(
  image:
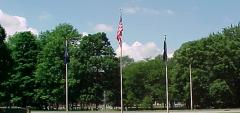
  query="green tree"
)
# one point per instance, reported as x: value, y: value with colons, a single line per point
x: 126, y: 60
x: 5, y: 66
x: 220, y: 93
x: 142, y: 80
x: 147, y: 102
x: 50, y: 73
x: 24, y: 49
x: 134, y: 89
x: 214, y: 61
x: 98, y: 69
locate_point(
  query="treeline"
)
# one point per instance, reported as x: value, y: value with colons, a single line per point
x: 215, y: 65
x: 215, y: 69
x: 32, y: 70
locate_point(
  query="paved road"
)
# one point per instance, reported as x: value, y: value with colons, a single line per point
x: 174, y: 111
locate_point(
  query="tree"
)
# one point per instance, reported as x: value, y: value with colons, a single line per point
x: 147, y: 102
x: 97, y: 70
x: 144, y: 81
x: 24, y: 49
x: 214, y: 61
x: 50, y: 73
x: 126, y: 60
x: 5, y: 66
x: 134, y: 89
x: 220, y: 93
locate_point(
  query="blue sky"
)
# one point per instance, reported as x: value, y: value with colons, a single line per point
x: 145, y: 21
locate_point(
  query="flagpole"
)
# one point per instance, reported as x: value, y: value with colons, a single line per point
x: 190, y: 80
x: 166, y: 81
x: 121, y: 71
x: 66, y: 78
x: 119, y: 38
x: 121, y: 80
x: 167, y: 86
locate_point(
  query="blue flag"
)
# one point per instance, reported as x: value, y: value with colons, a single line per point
x: 165, y: 50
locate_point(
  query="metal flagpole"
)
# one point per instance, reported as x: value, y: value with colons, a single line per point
x: 121, y: 80
x: 119, y: 38
x: 66, y: 78
x: 167, y: 87
x: 121, y: 71
x: 190, y: 69
x: 166, y: 80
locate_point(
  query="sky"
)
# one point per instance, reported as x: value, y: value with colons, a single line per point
x: 145, y: 22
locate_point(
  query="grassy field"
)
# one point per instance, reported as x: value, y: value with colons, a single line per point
x: 161, y: 111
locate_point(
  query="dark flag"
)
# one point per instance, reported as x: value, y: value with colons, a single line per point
x: 66, y: 57
x: 165, y: 50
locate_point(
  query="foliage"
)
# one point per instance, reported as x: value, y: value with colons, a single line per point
x: 24, y: 49
x: 126, y: 60
x: 50, y: 71
x: 32, y: 71
x: 220, y: 93
x: 147, y: 102
x: 143, y: 79
x: 215, y: 62
x: 5, y: 65
x: 2, y: 33
x: 98, y: 66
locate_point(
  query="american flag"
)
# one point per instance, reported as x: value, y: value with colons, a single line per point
x: 119, y: 32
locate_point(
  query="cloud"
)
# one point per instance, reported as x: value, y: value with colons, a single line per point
x: 150, y: 11
x: 84, y: 33
x: 170, y: 55
x: 170, y: 12
x: 44, y: 16
x: 139, y: 51
x: 131, y: 10
x: 103, y: 28
x: 136, y: 9
x: 13, y: 24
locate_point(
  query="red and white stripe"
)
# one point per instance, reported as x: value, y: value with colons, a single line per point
x: 119, y: 32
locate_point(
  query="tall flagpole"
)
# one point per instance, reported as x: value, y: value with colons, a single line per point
x: 121, y: 80
x: 166, y: 80
x: 190, y: 80
x: 66, y: 78
x: 119, y: 38
x: 121, y: 71
x: 167, y: 87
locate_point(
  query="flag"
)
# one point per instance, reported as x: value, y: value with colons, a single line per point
x: 119, y: 32
x: 165, y: 50
x: 66, y: 57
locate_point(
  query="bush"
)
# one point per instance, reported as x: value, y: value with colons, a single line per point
x: 147, y: 102
x: 13, y: 110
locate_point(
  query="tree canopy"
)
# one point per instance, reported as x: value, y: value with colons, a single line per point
x: 215, y: 63
x: 32, y: 72
x: 6, y: 63
x: 24, y: 51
